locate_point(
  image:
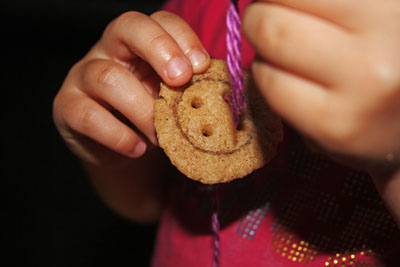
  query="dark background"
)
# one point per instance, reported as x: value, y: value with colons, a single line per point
x: 51, y: 216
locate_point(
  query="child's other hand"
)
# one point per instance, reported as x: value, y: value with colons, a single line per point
x: 104, y: 110
x: 332, y: 69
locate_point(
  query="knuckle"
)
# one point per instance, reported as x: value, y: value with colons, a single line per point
x: 126, y: 19
x: 278, y: 36
x: 102, y: 73
x: 271, y: 34
x: 81, y: 116
x: 163, y: 14
x: 261, y: 28
x: 87, y: 119
x: 124, y: 142
x: 385, y: 76
x: 109, y: 75
x: 159, y: 40
x: 182, y: 34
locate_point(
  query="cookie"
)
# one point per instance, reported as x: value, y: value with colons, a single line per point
x: 195, y: 128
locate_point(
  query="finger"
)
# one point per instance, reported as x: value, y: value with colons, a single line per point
x: 89, y: 118
x: 114, y: 84
x: 300, y: 102
x: 300, y: 43
x: 348, y: 14
x: 186, y: 38
x: 139, y: 68
x: 135, y: 34
x: 146, y: 75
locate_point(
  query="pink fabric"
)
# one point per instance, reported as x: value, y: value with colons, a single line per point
x: 300, y: 210
x: 207, y: 18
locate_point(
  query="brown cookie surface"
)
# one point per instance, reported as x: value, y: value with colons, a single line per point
x: 195, y: 128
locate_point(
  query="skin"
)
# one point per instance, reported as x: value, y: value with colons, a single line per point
x: 330, y: 68
x: 104, y: 109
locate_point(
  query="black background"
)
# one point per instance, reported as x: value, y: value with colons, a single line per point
x: 52, y: 216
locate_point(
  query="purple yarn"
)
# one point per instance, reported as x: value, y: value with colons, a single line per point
x: 234, y: 61
x: 216, y: 229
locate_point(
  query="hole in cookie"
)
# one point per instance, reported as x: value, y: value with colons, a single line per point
x: 196, y: 103
x: 206, y: 131
x: 227, y: 98
x: 240, y: 126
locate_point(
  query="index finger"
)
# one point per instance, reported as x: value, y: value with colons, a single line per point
x: 344, y: 13
x: 137, y: 35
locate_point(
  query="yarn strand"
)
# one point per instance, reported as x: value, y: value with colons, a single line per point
x: 215, y: 226
x: 216, y: 232
x: 234, y: 60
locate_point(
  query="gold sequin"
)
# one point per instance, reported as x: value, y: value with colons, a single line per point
x: 305, y: 251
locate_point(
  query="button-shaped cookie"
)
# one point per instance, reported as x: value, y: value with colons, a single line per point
x: 195, y: 127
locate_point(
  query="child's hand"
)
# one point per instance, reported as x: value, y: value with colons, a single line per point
x: 106, y: 102
x: 332, y: 69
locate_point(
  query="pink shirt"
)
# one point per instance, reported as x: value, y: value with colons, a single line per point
x: 301, y: 209
x: 207, y: 18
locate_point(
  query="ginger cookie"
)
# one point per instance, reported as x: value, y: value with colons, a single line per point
x: 195, y: 128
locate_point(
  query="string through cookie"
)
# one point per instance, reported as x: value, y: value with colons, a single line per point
x: 234, y: 60
x: 215, y: 227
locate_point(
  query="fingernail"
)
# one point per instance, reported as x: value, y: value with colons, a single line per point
x: 139, y: 149
x: 176, y: 67
x: 197, y: 58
